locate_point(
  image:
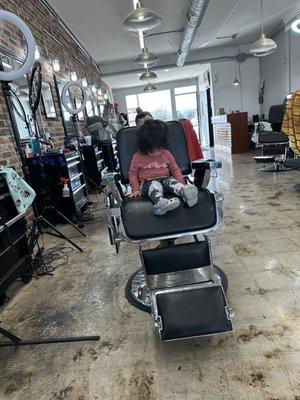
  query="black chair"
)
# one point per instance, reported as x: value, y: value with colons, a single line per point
x: 172, y: 273
x: 274, y: 144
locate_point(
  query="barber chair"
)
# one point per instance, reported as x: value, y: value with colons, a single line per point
x: 293, y: 164
x: 274, y: 144
x: 178, y: 282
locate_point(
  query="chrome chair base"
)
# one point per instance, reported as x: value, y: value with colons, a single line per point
x: 137, y: 293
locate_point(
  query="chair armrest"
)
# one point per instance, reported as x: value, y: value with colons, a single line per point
x: 206, y: 164
x: 113, y: 187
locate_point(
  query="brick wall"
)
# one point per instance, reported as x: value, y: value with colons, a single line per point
x: 37, y: 17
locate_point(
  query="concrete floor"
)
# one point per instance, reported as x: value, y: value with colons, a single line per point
x: 258, y: 247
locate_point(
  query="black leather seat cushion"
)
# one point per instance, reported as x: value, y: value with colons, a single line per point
x: 273, y: 137
x: 293, y: 163
x: 141, y: 223
x: 193, y: 312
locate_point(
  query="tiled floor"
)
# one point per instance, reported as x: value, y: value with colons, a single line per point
x: 259, y: 249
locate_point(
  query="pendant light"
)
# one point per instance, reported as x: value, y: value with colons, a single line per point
x: 263, y: 46
x: 148, y: 75
x: 142, y: 19
x: 236, y: 81
x: 146, y: 59
x: 149, y: 88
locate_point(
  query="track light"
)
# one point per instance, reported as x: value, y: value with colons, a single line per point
x: 149, y: 88
x: 148, y: 75
x: 146, y: 59
x: 142, y: 19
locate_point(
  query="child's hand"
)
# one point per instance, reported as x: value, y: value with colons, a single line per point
x: 135, y: 194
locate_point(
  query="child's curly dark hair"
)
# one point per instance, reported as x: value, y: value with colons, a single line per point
x: 152, y: 135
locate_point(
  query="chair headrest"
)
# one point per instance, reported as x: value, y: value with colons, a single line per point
x: 126, y: 147
x: 276, y: 113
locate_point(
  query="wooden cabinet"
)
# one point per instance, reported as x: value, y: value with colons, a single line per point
x: 231, y: 133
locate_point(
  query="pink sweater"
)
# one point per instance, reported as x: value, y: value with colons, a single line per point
x: 145, y: 167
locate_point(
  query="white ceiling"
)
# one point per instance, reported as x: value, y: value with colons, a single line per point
x: 97, y: 24
x: 172, y: 74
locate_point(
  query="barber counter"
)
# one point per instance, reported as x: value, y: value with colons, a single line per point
x: 231, y: 133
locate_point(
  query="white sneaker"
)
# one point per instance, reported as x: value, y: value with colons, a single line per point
x: 189, y: 194
x: 165, y: 205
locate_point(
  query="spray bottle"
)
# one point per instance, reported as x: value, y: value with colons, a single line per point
x: 66, y: 190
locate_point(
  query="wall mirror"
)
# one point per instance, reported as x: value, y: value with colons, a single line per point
x: 47, y: 99
x: 67, y: 118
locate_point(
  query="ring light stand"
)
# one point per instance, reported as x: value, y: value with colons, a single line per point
x: 6, y: 78
x: 74, y: 112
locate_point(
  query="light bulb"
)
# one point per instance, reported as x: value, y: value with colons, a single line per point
x: 94, y: 88
x: 84, y: 82
x: 55, y: 64
x: 37, y: 54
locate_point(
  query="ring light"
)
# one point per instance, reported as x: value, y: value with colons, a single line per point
x: 36, y: 72
x: 65, y: 100
x: 11, y: 76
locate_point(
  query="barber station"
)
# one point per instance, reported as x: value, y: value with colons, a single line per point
x: 149, y: 200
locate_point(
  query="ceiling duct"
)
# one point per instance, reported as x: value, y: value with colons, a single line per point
x: 194, y: 17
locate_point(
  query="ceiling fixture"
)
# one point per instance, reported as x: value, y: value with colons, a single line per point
x: 236, y: 81
x: 149, y: 88
x: 146, y: 58
x: 233, y: 37
x: 263, y: 46
x: 142, y: 19
x: 296, y: 26
x: 147, y: 75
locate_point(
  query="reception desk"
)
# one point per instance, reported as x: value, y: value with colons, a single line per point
x: 231, y: 132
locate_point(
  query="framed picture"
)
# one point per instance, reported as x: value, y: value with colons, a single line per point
x: 48, y: 101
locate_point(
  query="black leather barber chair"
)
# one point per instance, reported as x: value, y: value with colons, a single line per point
x: 178, y: 282
x: 274, y: 144
x: 293, y: 164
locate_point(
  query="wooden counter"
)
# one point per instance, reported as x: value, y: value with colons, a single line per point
x: 231, y: 132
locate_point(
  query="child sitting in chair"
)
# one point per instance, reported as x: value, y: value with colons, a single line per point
x: 154, y: 172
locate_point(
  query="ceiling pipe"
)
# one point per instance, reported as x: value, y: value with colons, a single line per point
x: 194, y: 18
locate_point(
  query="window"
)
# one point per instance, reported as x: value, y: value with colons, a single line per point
x: 186, y: 105
x: 158, y: 103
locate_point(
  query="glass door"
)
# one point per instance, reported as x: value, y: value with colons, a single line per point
x: 187, y: 105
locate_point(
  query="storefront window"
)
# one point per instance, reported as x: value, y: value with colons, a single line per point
x: 186, y: 105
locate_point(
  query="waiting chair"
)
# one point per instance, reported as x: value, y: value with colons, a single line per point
x: 178, y: 283
x: 274, y: 144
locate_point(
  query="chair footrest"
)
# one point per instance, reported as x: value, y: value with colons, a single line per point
x: 190, y: 311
